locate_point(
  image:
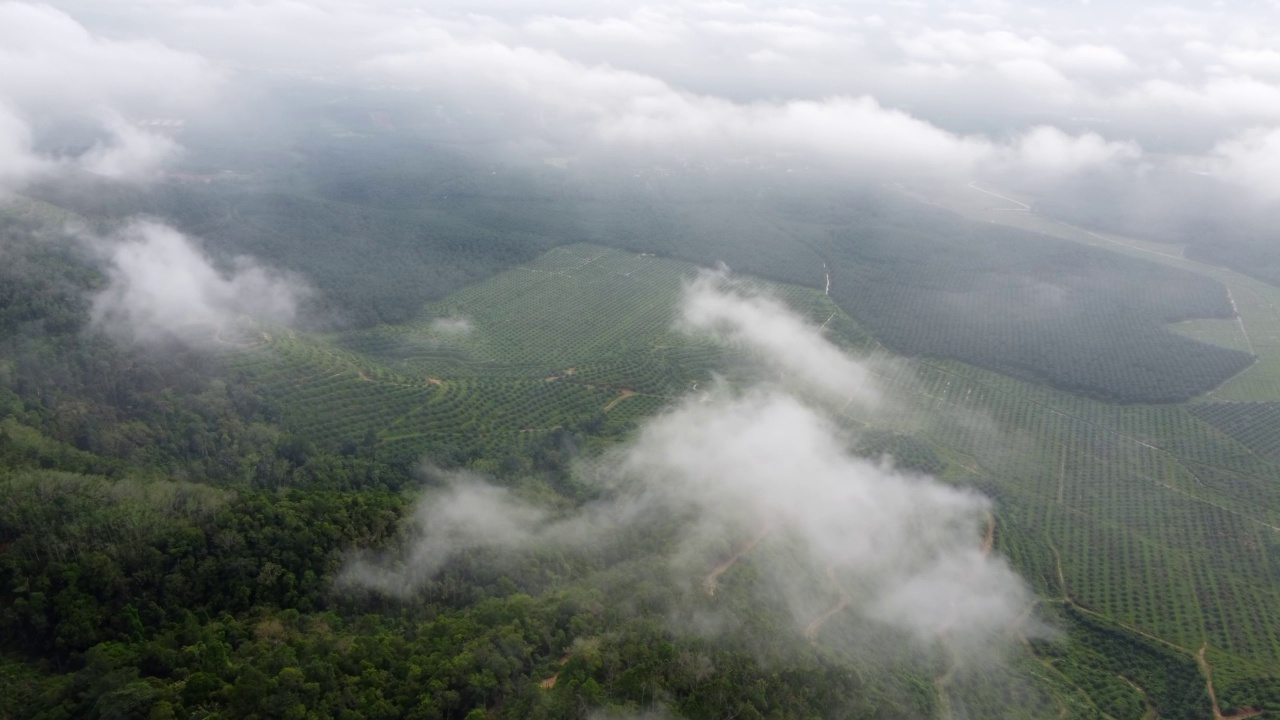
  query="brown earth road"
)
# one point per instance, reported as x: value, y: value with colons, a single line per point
x: 1151, y: 713
x: 1201, y: 661
x: 943, y: 681
x: 550, y: 682
x: 622, y: 395
x: 940, y: 684
x: 713, y: 577
x: 217, y: 337
x: 1207, y: 671
x: 811, y: 630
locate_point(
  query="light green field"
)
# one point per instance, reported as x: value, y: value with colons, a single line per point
x: 1223, y: 333
x: 580, y: 338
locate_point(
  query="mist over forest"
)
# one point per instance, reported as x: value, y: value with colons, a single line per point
x: 361, y: 359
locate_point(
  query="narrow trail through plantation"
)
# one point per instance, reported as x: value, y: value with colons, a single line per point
x: 943, y: 681
x: 1207, y: 670
x: 713, y: 578
x: 811, y: 630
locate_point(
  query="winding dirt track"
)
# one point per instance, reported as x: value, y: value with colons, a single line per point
x: 1207, y: 671
x: 217, y: 337
x: 713, y: 578
x: 811, y: 630
x: 622, y: 395
x: 941, y: 682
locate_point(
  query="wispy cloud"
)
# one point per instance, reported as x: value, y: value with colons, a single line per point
x: 161, y: 285
x: 904, y: 548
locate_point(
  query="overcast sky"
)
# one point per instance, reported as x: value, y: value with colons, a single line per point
x: 960, y: 87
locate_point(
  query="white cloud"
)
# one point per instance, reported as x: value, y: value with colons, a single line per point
x: 452, y: 325
x: 1094, y: 59
x: 712, y: 305
x: 947, y: 80
x: 1253, y: 61
x: 468, y: 515
x: 51, y: 60
x: 920, y: 87
x: 906, y: 549
x: 17, y: 161
x: 1049, y: 150
x: 1234, y: 98
x: 55, y: 70
x: 1250, y: 161
x: 130, y: 153
x: 160, y: 285
x: 625, y: 109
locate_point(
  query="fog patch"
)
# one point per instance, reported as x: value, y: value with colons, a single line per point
x: 903, y: 549
x: 714, y: 304
x: 1048, y: 150
x: 468, y: 514
x: 17, y: 161
x: 129, y: 153
x: 906, y: 548
x: 56, y: 71
x: 161, y: 285
x: 601, y: 107
x: 453, y: 325
x: 1249, y: 161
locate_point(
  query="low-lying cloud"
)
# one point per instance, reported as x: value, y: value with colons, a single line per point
x: 610, y: 108
x: 128, y: 152
x: 712, y: 305
x: 766, y: 460
x: 1248, y: 162
x: 919, y: 88
x: 161, y: 285
x: 452, y: 325
x: 57, y: 72
x: 468, y: 515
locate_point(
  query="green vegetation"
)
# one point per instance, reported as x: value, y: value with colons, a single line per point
x: 1127, y: 676
x: 173, y: 519
x: 521, y: 367
x: 1255, y: 425
x: 1159, y: 520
